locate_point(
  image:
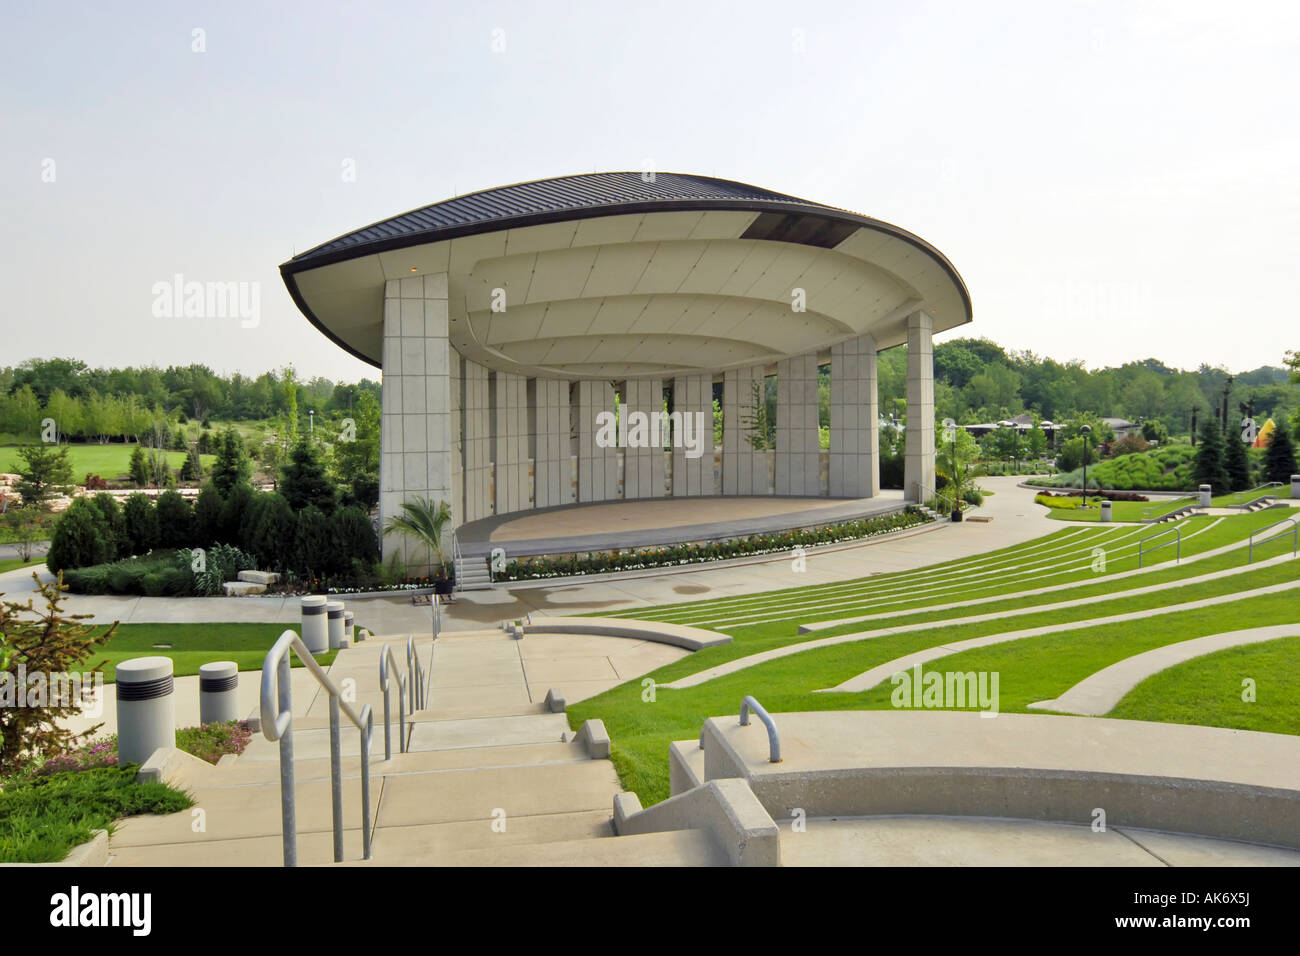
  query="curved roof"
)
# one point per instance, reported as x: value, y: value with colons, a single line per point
x: 339, y: 284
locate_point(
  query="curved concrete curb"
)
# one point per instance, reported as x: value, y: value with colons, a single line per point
x: 1100, y: 693
x: 94, y: 852
x: 726, y: 809
x: 679, y: 635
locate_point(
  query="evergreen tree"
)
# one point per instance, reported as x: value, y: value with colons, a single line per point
x: 305, y: 482
x: 1236, y: 464
x: 207, y: 516
x: 1209, y: 468
x: 192, y: 469
x: 1280, y: 460
x: 44, y: 642
x: 141, y: 523
x: 45, y: 472
x: 81, y: 537
x: 232, y: 466
x: 139, y: 467
x: 175, y: 521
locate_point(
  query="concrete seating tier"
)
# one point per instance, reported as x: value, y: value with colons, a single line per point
x: 691, y: 638
x: 1225, y: 784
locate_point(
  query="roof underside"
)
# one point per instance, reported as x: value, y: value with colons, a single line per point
x: 620, y: 274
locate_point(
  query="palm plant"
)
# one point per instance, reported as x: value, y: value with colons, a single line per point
x: 424, y: 521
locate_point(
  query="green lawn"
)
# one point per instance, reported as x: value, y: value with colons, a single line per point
x: 1208, y: 690
x: 10, y: 564
x: 1121, y: 510
x: 110, y: 462
x: 195, y: 644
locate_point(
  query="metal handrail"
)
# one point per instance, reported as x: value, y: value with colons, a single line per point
x: 773, y: 740
x: 414, y: 670
x: 386, y: 660
x: 1239, y: 499
x: 1176, y: 529
x: 1295, y: 537
x: 457, y: 559
x: 277, y: 724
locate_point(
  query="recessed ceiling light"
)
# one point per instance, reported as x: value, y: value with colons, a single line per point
x: 414, y: 269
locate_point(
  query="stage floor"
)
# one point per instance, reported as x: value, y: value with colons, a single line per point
x: 605, y: 525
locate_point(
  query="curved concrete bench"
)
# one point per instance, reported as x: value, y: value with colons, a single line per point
x: 1230, y: 784
x: 1102, y: 691
x: 679, y: 635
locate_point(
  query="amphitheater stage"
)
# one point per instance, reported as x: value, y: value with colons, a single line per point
x: 647, y: 522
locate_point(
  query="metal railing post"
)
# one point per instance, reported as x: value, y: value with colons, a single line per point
x: 288, y: 815
x: 365, y: 785
x: 773, y: 740
x: 336, y: 779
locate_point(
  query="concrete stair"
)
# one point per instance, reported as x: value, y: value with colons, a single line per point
x: 473, y: 574
x: 484, y: 783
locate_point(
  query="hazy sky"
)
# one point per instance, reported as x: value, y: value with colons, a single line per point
x: 1113, y: 180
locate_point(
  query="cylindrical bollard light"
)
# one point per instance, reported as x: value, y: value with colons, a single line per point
x: 146, y: 708
x: 335, y: 611
x: 1295, y: 486
x: 315, y: 626
x: 1205, y: 493
x: 1105, y: 511
x: 349, y: 627
x: 218, y: 692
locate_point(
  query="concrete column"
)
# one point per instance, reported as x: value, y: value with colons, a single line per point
x: 643, y: 470
x: 693, y: 398
x: 855, y: 420
x: 456, y: 390
x: 315, y: 624
x: 146, y: 708
x: 549, y: 404
x: 218, y: 692
x: 744, y: 470
x: 797, y: 467
x: 416, y: 458
x: 476, y: 431
x: 918, y: 458
x: 597, y: 466
x: 509, y: 397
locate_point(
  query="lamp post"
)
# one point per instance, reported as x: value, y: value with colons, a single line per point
x: 311, y: 421
x: 1085, y: 431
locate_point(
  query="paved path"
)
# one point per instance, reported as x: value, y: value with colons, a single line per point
x: 1015, y: 519
x: 1101, y: 692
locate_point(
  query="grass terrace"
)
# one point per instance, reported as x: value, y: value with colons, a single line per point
x: 1056, y: 583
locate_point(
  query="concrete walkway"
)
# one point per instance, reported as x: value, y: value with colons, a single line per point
x: 1102, y: 691
x: 1015, y: 519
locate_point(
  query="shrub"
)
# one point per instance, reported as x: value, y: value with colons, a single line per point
x: 141, y: 523
x: 207, y: 514
x: 114, y: 524
x: 272, y: 532
x: 80, y: 538
x: 175, y: 521
x: 354, y: 539
x: 313, y: 543
x: 221, y: 563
